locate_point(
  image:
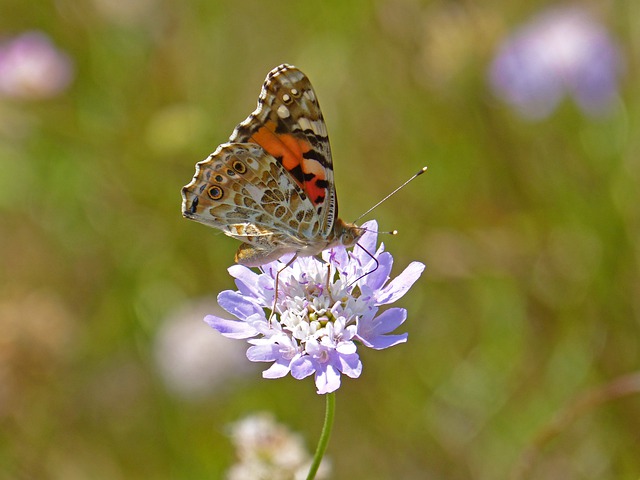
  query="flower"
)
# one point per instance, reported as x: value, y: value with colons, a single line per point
x: 561, y: 51
x: 324, y: 310
x: 269, y: 450
x: 31, y: 67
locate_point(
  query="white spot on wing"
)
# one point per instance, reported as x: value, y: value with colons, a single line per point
x: 254, y: 192
x: 256, y: 151
x: 319, y: 128
x: 310, y: 95
x: 283, y: 112
x: 305, y: 124
x: 252, y: 162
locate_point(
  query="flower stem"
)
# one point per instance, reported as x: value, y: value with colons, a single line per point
x: 324, y: 436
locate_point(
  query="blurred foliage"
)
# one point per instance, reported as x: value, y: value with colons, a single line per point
x: 530, y: 233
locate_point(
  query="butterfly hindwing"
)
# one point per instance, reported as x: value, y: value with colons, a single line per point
x: 245, y: 192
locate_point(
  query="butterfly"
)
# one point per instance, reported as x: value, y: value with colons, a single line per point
x: 271, y: 186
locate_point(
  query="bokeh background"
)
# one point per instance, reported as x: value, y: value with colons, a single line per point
x: 528, y: 220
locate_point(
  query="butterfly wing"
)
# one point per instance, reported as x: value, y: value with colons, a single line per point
x: 271, y: 186
x: 288, y: 124
x: 245, y: 192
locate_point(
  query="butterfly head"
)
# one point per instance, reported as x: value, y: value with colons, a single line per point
x: 347, y: 234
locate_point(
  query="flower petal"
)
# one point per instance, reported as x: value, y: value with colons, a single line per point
x: 384, y: 323
x: 246, y: 280
x: 368, y: 241
x: 239, y: 305
x: 400, y: 285
x: 302, y: 367
x: 386, y: 341
x: 279, y: 369
x: 231, y: 328
x: 346, y: 348
x: 375, y: 279
x: 327, y: 378
x: 372, y: 330
x: 265, y: 352
x: 338, y: 257
x: 350, y: 365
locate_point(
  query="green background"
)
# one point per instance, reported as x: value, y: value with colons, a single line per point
x: 529, y: 231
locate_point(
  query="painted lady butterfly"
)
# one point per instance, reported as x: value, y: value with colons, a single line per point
x: 271, y: 186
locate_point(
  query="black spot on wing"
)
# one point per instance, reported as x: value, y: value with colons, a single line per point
x: 282, y: 127
x: 194, y: 205
x: 317, y: 156
x: 320, y: 183
x: 244, y: 131
x: 317, y: 141
x: 300, y: 176
x: 297, y: 173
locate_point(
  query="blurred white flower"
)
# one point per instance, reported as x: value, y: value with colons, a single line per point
x: 31, y: 67
x: 563, y: 51
x: 269, y: 451
x: 191, y: 361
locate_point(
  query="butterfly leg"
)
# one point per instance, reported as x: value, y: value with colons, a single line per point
x: 275, y: 295
x: 327, y: 285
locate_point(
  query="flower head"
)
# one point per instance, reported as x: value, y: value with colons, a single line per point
x: 562, y: 51
x: 324, y: 310
x: 31, y: 67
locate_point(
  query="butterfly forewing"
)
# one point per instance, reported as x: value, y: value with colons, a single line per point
x: 289, y: 125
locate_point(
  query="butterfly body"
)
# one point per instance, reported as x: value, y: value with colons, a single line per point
x: 271, y: 186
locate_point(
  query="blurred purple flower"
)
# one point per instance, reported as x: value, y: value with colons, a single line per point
x: 326, y: 308
x: 31, y: 67
x: 561, y: 51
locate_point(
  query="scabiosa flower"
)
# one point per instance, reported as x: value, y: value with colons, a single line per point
x: 31, y: 67
x: 562, y: 51
x: 324, y: 311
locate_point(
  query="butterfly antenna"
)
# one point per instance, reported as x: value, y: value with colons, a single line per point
x: 390, y: 232
x: 420, y: 172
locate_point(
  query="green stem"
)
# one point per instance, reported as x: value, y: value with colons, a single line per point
x: 324, y: 436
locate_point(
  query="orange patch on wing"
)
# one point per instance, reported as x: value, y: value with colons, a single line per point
x: 285, y: 146
x: 315, y: 193
x: 291, y: 149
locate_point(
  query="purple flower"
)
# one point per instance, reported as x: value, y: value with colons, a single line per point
x: 325, y: 309
x: 561, y: 51
x: 31, y: 67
